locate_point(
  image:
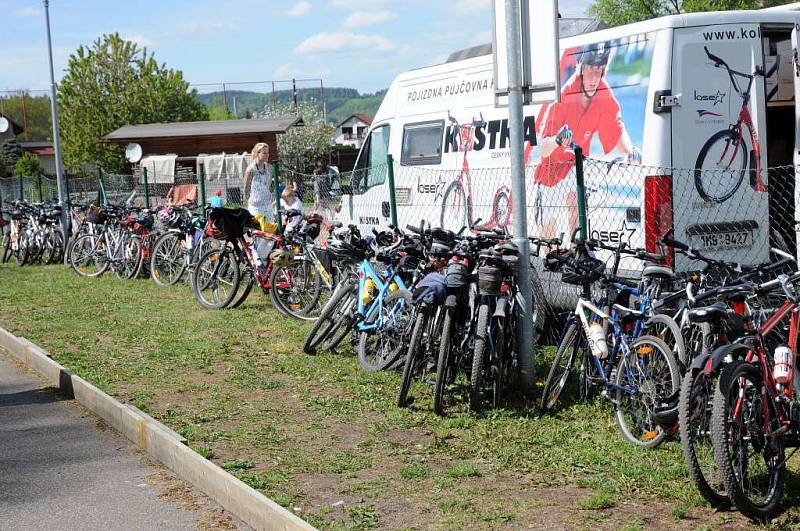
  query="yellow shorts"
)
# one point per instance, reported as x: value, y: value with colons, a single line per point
x: 265, y: 225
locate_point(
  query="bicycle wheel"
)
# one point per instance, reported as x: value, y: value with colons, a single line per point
x: 666, y: 329
x: 58, y: 247
x: 644, y: 375
x: 89, y: 257
x: 573, y: 344
x: 129, y: 257
x: 295, y: 289
x: 343, y: 323
x: 694, y: 424
x: 379, y: 348
x: 7, y: 250
x: 342, y: 298
x: 479, y: 355
x: 22, y: 249
x: 454, y: 214
x: 443, y: 363
x: 241, y: 297
x: 216, y: 278
x: 747, y: 444
x: 415, y: 353
x: 167, y: 260
x: 720, y: 166
x: 498, y: 360
x: 48, y: 245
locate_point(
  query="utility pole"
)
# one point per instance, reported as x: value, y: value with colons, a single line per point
x: 294, y: 94
x: 322, y: 97
x: 25, y: 117
x: 519, y: 217
x: 63, y: 198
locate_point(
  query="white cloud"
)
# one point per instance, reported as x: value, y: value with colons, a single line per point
x: 338, y: 41
x: 26, y: 12
x: 141, y: 40
x: 471, y: 6
x: 362, y: 19
x: 299, y: 9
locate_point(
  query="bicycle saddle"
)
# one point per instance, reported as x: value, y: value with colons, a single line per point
x: 658, y: 272
x: 627, y: 314
x: 709, y: 314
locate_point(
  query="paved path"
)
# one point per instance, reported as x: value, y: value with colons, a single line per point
x: 59, y: 471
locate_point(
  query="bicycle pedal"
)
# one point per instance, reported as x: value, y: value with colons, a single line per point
x: 650, y: 435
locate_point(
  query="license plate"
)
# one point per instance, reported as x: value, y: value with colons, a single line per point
x: 723, y: 240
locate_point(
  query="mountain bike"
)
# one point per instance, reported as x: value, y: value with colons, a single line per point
x: 724, y: 159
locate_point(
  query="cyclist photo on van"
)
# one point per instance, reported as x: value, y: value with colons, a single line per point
x: 588, y: 108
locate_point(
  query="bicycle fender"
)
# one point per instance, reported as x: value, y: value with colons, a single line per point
x: 501, y: 308
x: 451, y: 301
x: 735, y: 351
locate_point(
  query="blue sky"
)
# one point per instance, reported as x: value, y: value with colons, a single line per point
x: 354, y: 43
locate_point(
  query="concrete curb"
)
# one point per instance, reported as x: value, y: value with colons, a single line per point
x: 160, y: 442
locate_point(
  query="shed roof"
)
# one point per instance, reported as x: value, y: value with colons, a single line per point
x: 128, y: 133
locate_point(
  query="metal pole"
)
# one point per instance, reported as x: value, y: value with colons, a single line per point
x: 101, y: 187
x: 225, y: 97
x: 322, y: 97
x: 146, y: 189
x: 25, y: 118
x: 273, y: 96
x: 276, y: 184
x: 392, y: 198
x: 202, y: 183
x: 294, y: 94
x: 581, y: 191
x: 63, y: 198
x: 519, y: 208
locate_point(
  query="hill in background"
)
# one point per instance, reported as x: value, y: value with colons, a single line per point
x: 340, y: 102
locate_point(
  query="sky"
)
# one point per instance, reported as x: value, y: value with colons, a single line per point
x: 361, y: 44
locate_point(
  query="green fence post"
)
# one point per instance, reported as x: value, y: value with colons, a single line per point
x: 101, y: 188
x: 202, y: 182
x: 39, y: 186
x: 581, y: 190
x: 392, y: 198
x: 21, y: 189
x: 146, y: 189
x: 276, y: 183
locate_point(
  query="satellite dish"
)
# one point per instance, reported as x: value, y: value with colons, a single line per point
x: 133, y: 152
x: 4, y: 124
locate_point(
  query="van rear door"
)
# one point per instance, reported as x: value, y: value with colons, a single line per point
x: 718, y: 152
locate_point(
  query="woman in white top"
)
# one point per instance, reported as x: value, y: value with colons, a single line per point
x: 258, y: 188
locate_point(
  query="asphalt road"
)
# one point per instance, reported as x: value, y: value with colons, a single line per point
x: 59, y: 471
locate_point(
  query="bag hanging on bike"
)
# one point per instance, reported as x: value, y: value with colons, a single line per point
x: 457, y: 275
x: 228, y: 223
x: 489, y: 279
x: 95, y: 215
x: 431, y: 290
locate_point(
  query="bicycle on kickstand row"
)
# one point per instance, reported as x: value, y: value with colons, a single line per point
x: 724, y: 157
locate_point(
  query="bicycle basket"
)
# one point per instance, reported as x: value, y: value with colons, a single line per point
x: 489, y: 279
x: 95, y: 215
x: 457, y: 275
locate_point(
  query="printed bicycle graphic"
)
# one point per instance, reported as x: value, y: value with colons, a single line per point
x: 724, y: 158
x: 457, y: 202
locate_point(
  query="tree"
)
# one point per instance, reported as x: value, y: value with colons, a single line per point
x: 618, y: 12
x: 31, y: 112
x: 219, y: 112
x: 112, y: 84
x: 28, y: 165
x: 10, y: 153
x: 301, y: 146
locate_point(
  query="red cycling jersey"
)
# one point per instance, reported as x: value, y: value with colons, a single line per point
x: 602, y: 117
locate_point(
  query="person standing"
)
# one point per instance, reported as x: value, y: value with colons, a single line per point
x: 258, y: 188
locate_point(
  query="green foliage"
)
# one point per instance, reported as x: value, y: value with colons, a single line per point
x: 28, y: 165
x: 301, y: 146
x: 36, y: 115
x: 618, y: 12
x: 219, y: 112
x: 367, y: 104
x: 10, y: 153
x: 111, y: 84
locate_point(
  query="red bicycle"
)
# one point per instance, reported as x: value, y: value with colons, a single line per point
x: 756, y: 413
x: 724, y: 159
x: 457, y: 201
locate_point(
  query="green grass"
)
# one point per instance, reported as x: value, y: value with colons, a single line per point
x: 309, y: 431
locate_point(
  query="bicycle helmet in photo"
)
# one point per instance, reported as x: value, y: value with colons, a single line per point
x: 596, y: 54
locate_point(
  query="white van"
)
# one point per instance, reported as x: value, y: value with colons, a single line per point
x: 680, y: 117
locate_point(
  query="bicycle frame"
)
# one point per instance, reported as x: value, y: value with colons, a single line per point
x: 382, y: 283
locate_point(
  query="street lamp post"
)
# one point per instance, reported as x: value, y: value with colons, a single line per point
x: 63, y: 199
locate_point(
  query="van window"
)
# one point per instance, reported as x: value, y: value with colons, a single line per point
x: 422, y: 143
x: 370, y: 168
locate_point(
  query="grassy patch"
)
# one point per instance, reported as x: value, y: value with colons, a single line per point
x: 597, y: 502
x: 415, y: 472
x: 464, y: 471
x: 237, y: 464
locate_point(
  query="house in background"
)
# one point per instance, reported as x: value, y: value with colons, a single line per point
x: 45, y: 152
x: 353, y: 130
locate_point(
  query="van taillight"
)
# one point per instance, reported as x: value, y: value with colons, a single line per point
x: 657, y: 212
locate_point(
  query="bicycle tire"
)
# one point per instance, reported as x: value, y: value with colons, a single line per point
x: 479, y: 358
x: 666, y: 329
x: 97, y: 249
x: 571, y: 342
x: 168, y: 250
x: 130, y: 262
x: 285, y: 300
x: 498, y: 364
x: 413, y: 355
x: 46, y: 253
x: 390, y: 336
x: 637, y: 430
x: 694, y: 425
x: 58, y: 246
x: 324, y: 323
x: 7, y: 250
x: 443, y: 361
x: 725, y: 135
x: 241, y: 297
x: 206, y: 277
x: 723, y: 431
x: 22, y: 250
x: 343, y: 323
